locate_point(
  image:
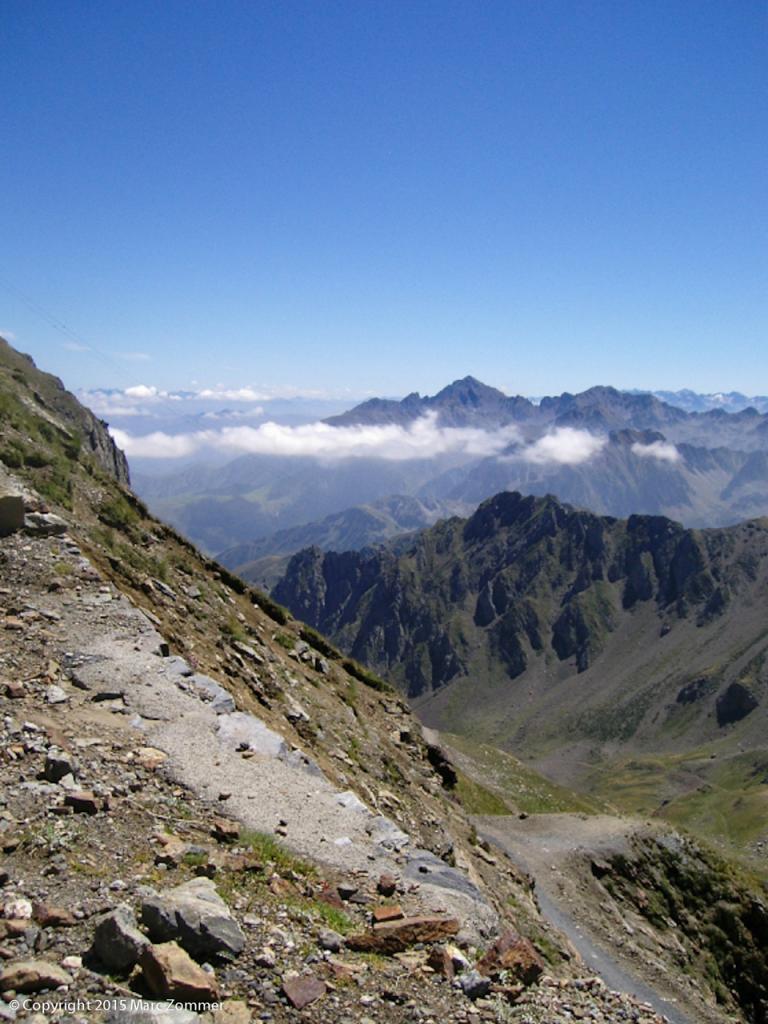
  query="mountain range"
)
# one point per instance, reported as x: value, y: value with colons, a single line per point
x: 609, y: 451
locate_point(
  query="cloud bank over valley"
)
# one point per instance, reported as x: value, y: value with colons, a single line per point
x: 424, y: 438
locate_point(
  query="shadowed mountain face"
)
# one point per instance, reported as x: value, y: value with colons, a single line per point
x: 557, y: 632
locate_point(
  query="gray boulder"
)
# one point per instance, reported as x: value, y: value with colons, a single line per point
x: 195, y: 916
x: 474, y: 985
x: 117, y: 942
x: 45, y: 524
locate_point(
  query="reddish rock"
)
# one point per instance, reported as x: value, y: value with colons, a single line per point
x: 13, y: 928
x: 32, y: 976
x: 173, y: 851
x: 397, y: 936
x: 15, y: 691
x: 387, y: 913
x: 171, y: 973
x: 330, y: 896
x: 514, y: 954
x: 53, y: 917
x: 303, y: 990
x: 225, y: 830
x: 441, y: 962
x: 523, y: 963
x: 490, y: 961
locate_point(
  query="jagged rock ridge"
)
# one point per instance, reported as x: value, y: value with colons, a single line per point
x: 556, y: 632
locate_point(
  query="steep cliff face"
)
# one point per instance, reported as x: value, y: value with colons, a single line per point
x: 39, y: 415
x: 558, y: 633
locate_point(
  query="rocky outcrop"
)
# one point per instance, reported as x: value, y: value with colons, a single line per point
x: 735, y: 703
x: 195, y: 916
x: 67, y: 425
x: 528, y: 593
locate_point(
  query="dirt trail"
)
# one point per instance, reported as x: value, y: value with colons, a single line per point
x: 556, y: 850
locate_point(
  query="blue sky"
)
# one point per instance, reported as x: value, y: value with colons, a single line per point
x: 376, y: 197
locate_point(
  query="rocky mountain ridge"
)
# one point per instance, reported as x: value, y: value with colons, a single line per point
x: 633, y: 453
x: 575, y: 639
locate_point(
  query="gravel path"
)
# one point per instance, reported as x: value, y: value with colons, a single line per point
x: 549, y: 847
x: 272, y: 785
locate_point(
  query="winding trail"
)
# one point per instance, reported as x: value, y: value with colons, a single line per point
x: 542, y: 846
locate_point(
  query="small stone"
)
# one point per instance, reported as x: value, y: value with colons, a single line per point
x: 171, y: 973
x: 18, y: 910
x: 330, y: 940
x: 58, y: 765
x: 387, y: 885
x: 303, y: 990
x: 440, y: 961
x: 347, y: 889
x: 53, y: 917
x: 55, y: 695
x: 514, y: 954
x: 15, y: 691
x: 82, y: 801
x: 474, y: 985
x: 266, y: 958
x: 150, y: 758
x: 225, y: 830
x: 33, y: 976
x: 523, y: 962
x: 117, y: 942
x: 387, y: 913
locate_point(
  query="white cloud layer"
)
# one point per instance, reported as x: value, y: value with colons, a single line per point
x: 246, y: 394
x: 422, y: 439
x: 564, y: 446
x: 146, y: 399
x: 661, y: 450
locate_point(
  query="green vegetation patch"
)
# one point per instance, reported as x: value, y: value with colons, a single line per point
x: 365, y: 676
x: 500, y: 773
x: 478, y: 799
